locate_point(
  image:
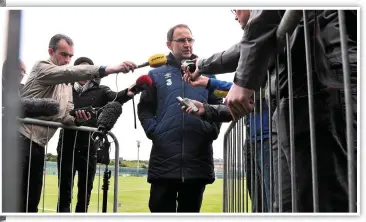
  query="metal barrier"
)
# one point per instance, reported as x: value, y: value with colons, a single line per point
x: 56, y: 125
x: 250, y: 172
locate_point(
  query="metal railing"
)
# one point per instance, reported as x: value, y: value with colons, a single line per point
x: 246, y: 176
x: 56, y: 125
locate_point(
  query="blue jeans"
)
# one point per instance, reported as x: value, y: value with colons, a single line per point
x: 256, y: 194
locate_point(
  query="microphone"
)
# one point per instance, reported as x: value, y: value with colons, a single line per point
x: 155, y: 61
x: 142, y: 83
x: 107, y: 118
x: 36, y: 107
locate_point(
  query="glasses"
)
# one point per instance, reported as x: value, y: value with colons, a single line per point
x: 233, y: 11
x: 184, y: 40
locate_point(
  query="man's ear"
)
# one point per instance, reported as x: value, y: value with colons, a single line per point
x: 169, y: 45
x: 50, y: 51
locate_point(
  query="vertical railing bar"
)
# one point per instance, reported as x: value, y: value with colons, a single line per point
x: 270, y: 144
x: 72, y: 168
x: 45, y: 171
x: 224, y: 206
x: 29, y: 168
x: 232, y: 172
x: 87, y: 175
x: 116, y: 171
x: 60, y: 171
x: 348, y: 104
x: 311, y: 113
x: 278, y: 137
x: 251, y: 161
x: 246, y: 166
x: 262, y: 162
x: 254, y: 156
x: 238, y: 147
x: 235, y: 168
x: 292, y: 137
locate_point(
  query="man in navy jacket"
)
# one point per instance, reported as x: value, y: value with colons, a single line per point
x: 181, y: 159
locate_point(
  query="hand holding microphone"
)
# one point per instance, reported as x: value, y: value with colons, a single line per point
x: 124, y: 67
x: 190, y: 69
x: 142, y: 83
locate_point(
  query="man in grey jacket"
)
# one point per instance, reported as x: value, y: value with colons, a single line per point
x: 49, y: 79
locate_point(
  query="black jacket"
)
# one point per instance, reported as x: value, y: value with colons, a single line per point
x: 96, y: 96
x: 258, y: 45
x: 217, y: 113
x: 182, y: 144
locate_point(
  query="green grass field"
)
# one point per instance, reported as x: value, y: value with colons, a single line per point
x: 133, y: 195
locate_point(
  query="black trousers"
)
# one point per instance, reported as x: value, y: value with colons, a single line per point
x: 66, y: 174
x: 331, y: 159
x: 176, y: 197
x: 32, y: 168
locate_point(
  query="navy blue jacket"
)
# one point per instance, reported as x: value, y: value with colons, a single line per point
x: 182, y: 143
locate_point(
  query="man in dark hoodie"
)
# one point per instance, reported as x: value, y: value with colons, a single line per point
x: 85, y: 93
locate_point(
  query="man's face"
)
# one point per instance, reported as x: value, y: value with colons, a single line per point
x: 63, y: 53
x: 181, y: 45
x: 242, y: 16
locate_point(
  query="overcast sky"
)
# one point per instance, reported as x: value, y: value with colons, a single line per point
x: 112, y: 35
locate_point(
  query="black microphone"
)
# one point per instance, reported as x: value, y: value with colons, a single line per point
x: 107, y: 118
x: 36, y: 107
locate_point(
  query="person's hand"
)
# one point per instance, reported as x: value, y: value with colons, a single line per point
x: 126, y: 67
x: 240, y: 101
x: 130, y: 93
x: 82, y: 116
x: 200, y: 81
x: 192, y: 76
x: 199, y: 105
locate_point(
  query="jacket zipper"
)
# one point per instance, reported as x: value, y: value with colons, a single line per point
x: 182, y: 135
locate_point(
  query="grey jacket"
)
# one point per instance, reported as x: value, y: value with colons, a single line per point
x: 48, y: 80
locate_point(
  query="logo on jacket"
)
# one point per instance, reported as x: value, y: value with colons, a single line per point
x: 168, y: 79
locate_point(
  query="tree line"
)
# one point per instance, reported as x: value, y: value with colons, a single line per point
x: 125, y: 163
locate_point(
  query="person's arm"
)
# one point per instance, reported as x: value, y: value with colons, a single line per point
x: 221, y: 62
x: 48, y: 73
x: 218, y: 87
x: 214, y: 125
x: 121, y: 96
x: 217, y: 113
x: 257, y: 46
x: 210, y: 113
x: 146, y: 110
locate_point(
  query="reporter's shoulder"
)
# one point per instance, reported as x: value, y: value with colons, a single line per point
x: 104, y: 88
x: 40, y: 64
